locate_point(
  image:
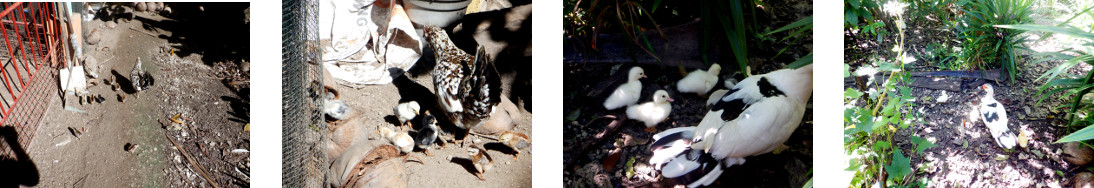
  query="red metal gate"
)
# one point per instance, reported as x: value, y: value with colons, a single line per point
x: 33, y: 39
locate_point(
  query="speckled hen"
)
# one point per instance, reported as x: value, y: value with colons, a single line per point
x: 467, y: 86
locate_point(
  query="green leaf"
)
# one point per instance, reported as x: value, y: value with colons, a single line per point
x: 851, y: 17
x: 805, y: 23
x: 573, y: 115
x: 880, y: 122
x: 1081, y: 135
x: 854, y: 165
x: 921, y: 144
x: 852, y: 93
x: 1052, y: 29
x: 882, y: 145
x: 865, y: 121
x: 846, y: 69
x: 803, y: 61
x: 900, y: 167
x: 656, y: 4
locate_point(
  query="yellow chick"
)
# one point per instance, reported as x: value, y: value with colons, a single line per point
x: 401, y: 140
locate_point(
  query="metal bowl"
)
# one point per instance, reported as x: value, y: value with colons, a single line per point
x: 440, y: 13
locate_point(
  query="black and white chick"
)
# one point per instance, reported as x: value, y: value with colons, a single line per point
x: 427, y: 135
x: 995, y: 118
x: 141, y: 80
x: 467, y: 86
x: 754, y: 117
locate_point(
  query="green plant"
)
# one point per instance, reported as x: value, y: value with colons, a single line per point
x: 799, y: 29
x: 1058, y: 80
x: 985, y: 45
x: 870, y: 123
x: 869, y: 128
x: 729, y: 16
x: 585, y: 19
x: 941, y: 10
x: 859, y: 11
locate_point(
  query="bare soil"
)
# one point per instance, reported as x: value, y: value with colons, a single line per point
x: 209, y: 89
x: 447, y: 166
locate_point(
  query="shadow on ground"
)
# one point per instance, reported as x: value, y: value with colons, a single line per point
x: 20, y: 171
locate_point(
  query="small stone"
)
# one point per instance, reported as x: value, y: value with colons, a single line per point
x: 1083, y: 179
x: 956, y: 142
x: 1077, y: 154
x: 1023, y: 156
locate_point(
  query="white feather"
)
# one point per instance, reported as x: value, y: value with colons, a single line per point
x: 761, y: 128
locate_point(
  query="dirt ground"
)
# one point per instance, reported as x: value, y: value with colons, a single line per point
x: 376, y: 103
x: 208, y: 88
x: 966, y: 155
x: 509, y: 44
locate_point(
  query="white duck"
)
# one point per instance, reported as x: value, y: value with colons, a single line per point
x: 699, y: 81
x: 995, y: 118
x: 406, y: 111
x: 626, y: 94
x: 753, y: 118
x: 652, y: 112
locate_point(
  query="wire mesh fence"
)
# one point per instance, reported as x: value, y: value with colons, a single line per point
x: 304, y: 158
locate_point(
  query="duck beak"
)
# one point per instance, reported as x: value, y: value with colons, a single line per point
x: 669, y: 99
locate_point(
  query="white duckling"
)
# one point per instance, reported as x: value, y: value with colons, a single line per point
x: 406, y: 111
x: 995, y: 118
x: 753, y: 118
x: 652, y: 112
x: 626, y: 94
x: 401, y: 140
x: 699, y: 81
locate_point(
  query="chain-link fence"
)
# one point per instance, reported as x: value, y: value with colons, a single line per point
x: 303, y: 128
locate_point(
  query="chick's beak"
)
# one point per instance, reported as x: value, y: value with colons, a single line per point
x: 669, y: 99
